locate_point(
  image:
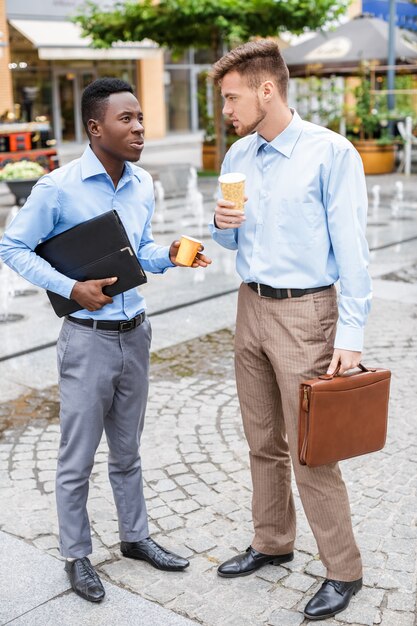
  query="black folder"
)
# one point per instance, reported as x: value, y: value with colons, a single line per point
x: 97, y: 248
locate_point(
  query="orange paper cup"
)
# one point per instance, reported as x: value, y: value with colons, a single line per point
x: 188, y: 250
x: 233, y: 188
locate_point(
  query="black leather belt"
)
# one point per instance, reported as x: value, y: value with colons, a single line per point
x: 270, y: 292
x: 121, y: 327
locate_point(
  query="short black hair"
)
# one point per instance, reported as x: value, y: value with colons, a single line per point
x: 95, y: 97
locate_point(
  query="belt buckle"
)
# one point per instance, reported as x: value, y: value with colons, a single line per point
x: 260, y: 294
x: 125, y: 326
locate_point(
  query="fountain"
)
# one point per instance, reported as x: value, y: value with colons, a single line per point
x: 375, y: 199
x: 6, y: 277
x: 17, y: 285
x: 397, y: 203
x: 160, y: 205
x: 194, y: 203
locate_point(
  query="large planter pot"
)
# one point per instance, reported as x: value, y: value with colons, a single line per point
x: 209, y: 157
x: 377, y: 159
x: 20, y: 189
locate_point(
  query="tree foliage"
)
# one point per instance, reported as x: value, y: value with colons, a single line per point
x: 180, y: 24
x: 213, y: 24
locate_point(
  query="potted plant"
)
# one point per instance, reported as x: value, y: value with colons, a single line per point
x: 369, y: 131
x: 209, y: 145
x: 20, y: 177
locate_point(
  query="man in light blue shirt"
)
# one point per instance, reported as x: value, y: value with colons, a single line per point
x: 103, y: 349
x: 301, y: 231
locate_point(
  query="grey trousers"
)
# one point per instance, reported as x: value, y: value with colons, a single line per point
x: 103, y: 379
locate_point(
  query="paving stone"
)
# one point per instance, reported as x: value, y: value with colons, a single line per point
x: 171, y: 522
x: 186, y: 479
x: 164, y: 485
x: 272, y: 573
x: 401, y: 562
x: 160, y: 511
x: 20, y: 456
x: 24, y: 587
x: 200, y: 543
x: 285, y: 598
x: 395, y: 618
x: 175, y: 470
x: 289, y: 618
x: 299, y: 582
x: 203, y: 468
x: 154, y: 475
x: 372, y: 596
x: 401, y: 601
x: 359, y: 613
x: 200, y: 482
x: 21, y: 474
x: 173, y: 496
x: 184, y: 506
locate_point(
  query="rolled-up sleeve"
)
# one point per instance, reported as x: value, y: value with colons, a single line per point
x: 346, y: 203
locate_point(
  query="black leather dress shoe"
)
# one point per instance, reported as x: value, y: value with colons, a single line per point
x: 333, y: 597
x: 156, y: 555
x: 249, y: 561
x: 84, y: 579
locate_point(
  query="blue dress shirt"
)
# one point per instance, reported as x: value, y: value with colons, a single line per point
x: 73, y: 194
x: 305, y: 218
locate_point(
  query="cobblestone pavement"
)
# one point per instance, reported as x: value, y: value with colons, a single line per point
x: 199, y: 494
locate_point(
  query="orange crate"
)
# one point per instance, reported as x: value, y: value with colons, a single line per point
x: 20, y: 141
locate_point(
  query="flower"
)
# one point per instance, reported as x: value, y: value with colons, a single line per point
x: 22, y: 170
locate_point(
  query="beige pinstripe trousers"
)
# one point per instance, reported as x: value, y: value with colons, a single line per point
x: 278, y: 344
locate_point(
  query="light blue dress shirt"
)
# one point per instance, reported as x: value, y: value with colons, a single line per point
x: 305, y: 218
x: 73, y: 194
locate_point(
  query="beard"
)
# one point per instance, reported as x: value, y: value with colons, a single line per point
x: 260, y: 114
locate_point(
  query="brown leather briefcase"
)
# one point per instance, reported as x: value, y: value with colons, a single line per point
x: 342, y: 416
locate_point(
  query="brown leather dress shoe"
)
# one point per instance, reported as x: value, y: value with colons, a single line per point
x: 85, y: 580
x: 333, y: 597
x: 148, y: 550
x: 250, y: 561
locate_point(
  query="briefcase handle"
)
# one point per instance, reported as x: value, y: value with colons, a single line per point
x: 336, y: 372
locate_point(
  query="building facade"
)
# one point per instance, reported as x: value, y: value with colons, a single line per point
x: 45, y: 64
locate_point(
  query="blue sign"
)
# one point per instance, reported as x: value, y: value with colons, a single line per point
x: 406, y: 12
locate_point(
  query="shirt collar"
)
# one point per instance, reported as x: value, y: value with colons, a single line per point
x: 286, y: 140
x: 92, y: 166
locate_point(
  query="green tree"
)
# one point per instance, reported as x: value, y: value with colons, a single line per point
x: 214, y: 24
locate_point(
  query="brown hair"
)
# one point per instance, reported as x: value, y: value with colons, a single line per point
x: 257, y: 61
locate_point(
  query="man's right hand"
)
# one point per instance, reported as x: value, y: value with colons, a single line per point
x: 225, y: 216
x: 90, y: 293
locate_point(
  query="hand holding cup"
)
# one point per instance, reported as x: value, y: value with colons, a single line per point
x: 232, y: 186
x: 229, y: 212
x: 187, y: 253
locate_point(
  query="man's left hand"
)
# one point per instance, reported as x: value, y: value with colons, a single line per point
x: 201, y: 260
x: 347, y: 358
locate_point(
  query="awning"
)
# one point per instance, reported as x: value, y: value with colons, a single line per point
x: 60, y: 41
x: 361, y: 39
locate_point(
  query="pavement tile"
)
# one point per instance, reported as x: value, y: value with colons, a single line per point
x: 289, y: 618
x: 198, y: 489
x: 28, y: 578
x: 119, y: 607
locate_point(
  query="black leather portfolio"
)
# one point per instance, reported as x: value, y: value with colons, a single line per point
x: 97, y: 248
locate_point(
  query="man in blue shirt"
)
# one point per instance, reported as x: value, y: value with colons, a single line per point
x: 103, y: 349
x: 302, y: 230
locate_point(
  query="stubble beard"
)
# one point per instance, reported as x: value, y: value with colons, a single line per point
x: 260, y: 115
